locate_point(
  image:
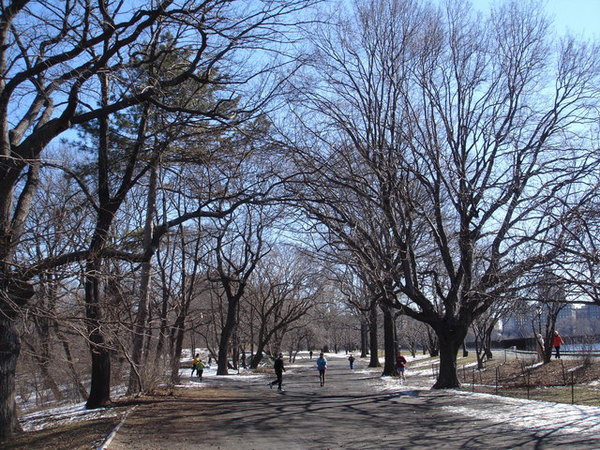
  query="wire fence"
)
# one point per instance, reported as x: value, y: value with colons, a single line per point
x: 568, y: 382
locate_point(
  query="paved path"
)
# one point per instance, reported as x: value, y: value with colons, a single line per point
x: 353, y: 410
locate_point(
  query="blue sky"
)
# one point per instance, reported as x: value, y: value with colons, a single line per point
x: 574, y: 16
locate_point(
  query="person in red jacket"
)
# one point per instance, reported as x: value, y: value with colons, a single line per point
x: 557, y: 341
x: 400, y: 365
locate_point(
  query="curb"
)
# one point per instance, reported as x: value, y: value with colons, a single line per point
x: 113, y: 433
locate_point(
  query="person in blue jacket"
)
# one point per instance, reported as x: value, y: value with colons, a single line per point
x: 322, y: 366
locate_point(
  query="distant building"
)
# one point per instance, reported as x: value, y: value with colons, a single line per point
x: 588, y: 319
x: 571, y: 321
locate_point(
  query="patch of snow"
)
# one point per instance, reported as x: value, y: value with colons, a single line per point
x: 533, y: 366
x: 532, y: 415
x: 63, y: 415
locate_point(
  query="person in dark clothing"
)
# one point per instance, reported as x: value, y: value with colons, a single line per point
x: 279, y: 369
x: 351, y: 361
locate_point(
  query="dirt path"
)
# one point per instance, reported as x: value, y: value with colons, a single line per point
x: 355, y: 409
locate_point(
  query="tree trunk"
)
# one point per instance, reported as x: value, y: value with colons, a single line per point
x: 373, y: 341
x: 389, y: 340
x: 14, y: 295
x: 135, y: 384
x: 226, y: 332
x: 364, y: 338
x: 100, y: 387
x: 449, y: 343
x: 162, y: 333
x: 177, y: 345
x: 10, y: 346
x: 257, y: 357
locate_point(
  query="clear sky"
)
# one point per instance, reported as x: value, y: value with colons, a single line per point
x: 574, y: 16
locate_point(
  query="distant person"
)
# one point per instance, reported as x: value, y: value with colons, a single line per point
x: 200, y: 368
x: 557, y: 341
x: 310, y: 354
x: 400, y: 365
x: 322, y: 366
x: 351, y: 361
x: 279, y: 369
x: 195, y: 362
x: 540, y: 346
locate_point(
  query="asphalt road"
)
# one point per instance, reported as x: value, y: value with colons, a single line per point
x: 355, y: 409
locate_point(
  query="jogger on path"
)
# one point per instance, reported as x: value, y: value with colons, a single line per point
x: 322, y: 366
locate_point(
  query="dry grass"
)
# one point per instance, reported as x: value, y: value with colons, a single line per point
x: 561, y: 380
x: 81, y: 435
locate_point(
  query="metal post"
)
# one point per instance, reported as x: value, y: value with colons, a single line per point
x: 497, y: 376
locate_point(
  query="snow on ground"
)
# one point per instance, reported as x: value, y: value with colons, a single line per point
x: 210, y: 373
x: 62, y: 416
x: 532, y: 415
x: 515, y: 413
x: 526, y: 415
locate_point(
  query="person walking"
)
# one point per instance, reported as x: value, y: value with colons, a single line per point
x: 195, y: 362
x: 200, y: 368
x: 351, y: 361
x: 401, y: 366
x: 279, y: 369
x: 557, y: 341
x: 322, y: 366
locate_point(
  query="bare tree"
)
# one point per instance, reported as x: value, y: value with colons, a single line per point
x: 238, y: 247
x: 285, y: 288
x: 65, y: 65
x: 484, y: 326
x: 461, y: 136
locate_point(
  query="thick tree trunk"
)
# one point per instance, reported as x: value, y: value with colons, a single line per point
x: 373, y: 340
x: 364, y: 338
x: 257, y: 357
x: 450, y: 339
x: 226, y: 332
x: 389, y: 339
x: 10, y: 347
x: 100, y: 387
x: 17, y: 294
